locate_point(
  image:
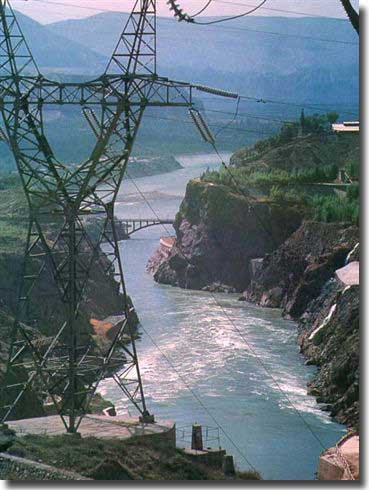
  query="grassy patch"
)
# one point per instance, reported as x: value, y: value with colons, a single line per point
x: 269, y: 177
x: 147, y: 458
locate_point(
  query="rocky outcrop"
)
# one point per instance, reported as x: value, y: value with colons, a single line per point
x: 341, y: 462
x: 218, y: 232
x: 296, y: 272
x: 308, y: 278
x: 330, y: 338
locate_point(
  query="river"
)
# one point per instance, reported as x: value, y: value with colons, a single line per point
x: 255, y: 390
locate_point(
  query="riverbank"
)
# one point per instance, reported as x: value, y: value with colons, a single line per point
x: 281, y: 248
x: 287, y: 263
x: 303, y: 277
x: 154, y: 165
x: 137, y: 458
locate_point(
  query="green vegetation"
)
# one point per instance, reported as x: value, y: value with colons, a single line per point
x: 246, y: 177
x: 317, y: 126
x: 331, y: 209
x: 285, y: 167
x: 148, y: 458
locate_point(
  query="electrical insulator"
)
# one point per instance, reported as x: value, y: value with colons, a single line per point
x: 178, y: 12
x: 216, y: 91
x: 201, y: 125
x: 92, y: 120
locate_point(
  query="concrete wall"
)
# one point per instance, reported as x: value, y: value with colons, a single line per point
x: 15, y: 468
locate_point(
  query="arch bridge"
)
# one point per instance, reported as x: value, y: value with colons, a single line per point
x: 129, y: 226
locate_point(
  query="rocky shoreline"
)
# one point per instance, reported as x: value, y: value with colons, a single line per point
x: 301, y: 278
x: 217, y: 234
x: 226, y: 250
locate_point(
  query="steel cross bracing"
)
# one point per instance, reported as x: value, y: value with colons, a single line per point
x: 67, y: 366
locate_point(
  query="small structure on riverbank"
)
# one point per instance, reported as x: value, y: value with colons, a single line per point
x: 342, y: 461
x: 161, y: 254
x: 199, y: 450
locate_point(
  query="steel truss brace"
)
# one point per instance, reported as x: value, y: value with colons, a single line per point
x: 66, y: 365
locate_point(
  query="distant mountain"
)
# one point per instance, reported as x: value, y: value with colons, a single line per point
x: 237, y: 56
x: 241, y: 54
x: 55, y: 53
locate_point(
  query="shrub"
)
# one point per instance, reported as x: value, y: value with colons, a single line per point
x: 334, y: 208
x: 290, y: 196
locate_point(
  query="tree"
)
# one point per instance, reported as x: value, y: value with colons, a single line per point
x: 352, y: 14
x: 332, y: 117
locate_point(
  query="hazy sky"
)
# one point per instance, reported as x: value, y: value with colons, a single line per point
x: 44, y: 11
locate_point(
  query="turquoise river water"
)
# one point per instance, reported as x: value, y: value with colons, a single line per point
x: 214, y: 363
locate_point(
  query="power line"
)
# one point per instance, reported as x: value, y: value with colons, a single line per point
x: 285, y: 34
x: 247, y: 115
x: 251, y: 349
x: 182, y: 16
x: 300, y: 105
x: 321, y: 107
x: 280, y: 34
x: 225, y: 2
x: 183, y: 121
x: 295, y: 12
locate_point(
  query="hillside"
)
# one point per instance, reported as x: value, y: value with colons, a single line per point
x: 137, y: 458
x: 290, y: 151
x: 305, y: 164
x: 69, y: 49
x: 277, y: 225
x: 251, y: 56
x: 54, y: 52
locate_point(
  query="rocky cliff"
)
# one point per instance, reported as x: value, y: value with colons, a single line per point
x: 265, y: 250
x: 302, y: 277
x: 218, y: 232
x: 295, y: 273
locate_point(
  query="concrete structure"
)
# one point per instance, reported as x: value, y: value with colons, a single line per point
x: 96, y: 426
x: 196, y: 440
x: 201, y: 438
x: 342, y: 461
x: 346, y: 127
x: 228, y: 465
x: 167, y: 241
x: 208, y: 457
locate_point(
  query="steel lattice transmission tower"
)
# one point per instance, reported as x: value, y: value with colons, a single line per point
x: 67, y: 366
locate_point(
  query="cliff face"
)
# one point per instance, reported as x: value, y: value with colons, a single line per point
x: 301, y: 277
x: 295, y: 273
x: 218, y: 233
x: 283, y: 263
x: 330, y: 338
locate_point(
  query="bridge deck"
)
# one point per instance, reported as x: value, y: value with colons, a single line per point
x: 131, y: 225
